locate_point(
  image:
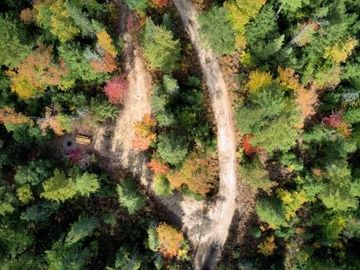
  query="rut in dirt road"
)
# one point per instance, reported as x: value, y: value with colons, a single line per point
x: 211, y: 243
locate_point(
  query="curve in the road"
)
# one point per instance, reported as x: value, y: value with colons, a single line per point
x: 221, y: 213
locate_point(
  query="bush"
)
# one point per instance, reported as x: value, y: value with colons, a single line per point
x: 129, y: 197
x: 7, y: 201
x: 161, y: 185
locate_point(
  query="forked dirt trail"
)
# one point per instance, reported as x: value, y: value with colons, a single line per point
x: 222, y: 212
x: 206, y: 225
x: 116, y: 144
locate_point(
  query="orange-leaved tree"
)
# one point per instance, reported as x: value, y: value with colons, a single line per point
x: 10, y: 116
x: 59, y: 123
x: 105, y: 64
x: 170, y: 240
x: 158, y: 167
x: 36, y: 73
x: 306, y: 99
x: 144, y: 134
x: 198, y: 173
x: 160, y: 3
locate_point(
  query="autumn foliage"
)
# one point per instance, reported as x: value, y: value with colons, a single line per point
x: 105, y: 64
x: 116, y: 89
x: 268, y: 246
x: 198, y: 173
x: 333, y: 120
x: 9, y: 116
x: 341, y: 50
x: 306, y: 99
x: 27, y: 15
x: 246, y: 145
x: 144, y: 134
x: 105, y: 43
x: 257, y: 80
x: 160, y: 3
x: 170, y: 240
x: 36, y: 73
x: 157, y: 167
x: 58, y: 123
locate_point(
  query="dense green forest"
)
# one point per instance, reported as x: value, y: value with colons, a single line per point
x: 293, y: 72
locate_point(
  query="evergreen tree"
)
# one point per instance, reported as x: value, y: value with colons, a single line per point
x: 171, y: 148
x: 129, y: 197
x: 59, y: 188
x: 13, y: 45
x: 217, y: 31
x: 160, y: 48
x: 82, y: 228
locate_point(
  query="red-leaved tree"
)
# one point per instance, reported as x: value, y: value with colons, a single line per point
x: 246, y: 145
x: 334, y: 120
x: 116, y: 89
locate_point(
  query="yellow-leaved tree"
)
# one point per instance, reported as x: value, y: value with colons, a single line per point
x: 257, y: 80
x: 240, y: 13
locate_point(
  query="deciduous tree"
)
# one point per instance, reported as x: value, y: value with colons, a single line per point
x: 170, y: 240
x: 116, y: 89
x: 35, y: 73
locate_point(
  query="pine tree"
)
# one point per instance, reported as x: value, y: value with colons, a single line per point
x: 270, y: 211
x: 59, y: 188
x: 271, y: 118
x: 87, y: 184
x: 216, y: 30
x: 82, y: 228
x: 172, y: 149
x: 160, y: 48
x: 13, y: 46
x: 129, y: 197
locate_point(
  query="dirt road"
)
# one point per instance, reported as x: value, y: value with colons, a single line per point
x: 221, y: 213
x: 116, y: 143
